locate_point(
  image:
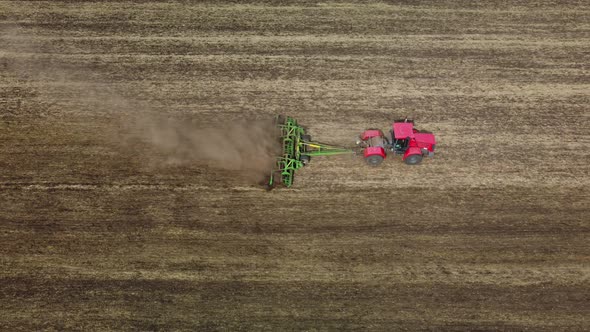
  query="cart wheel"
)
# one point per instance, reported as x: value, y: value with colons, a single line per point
x: 414, y: 159
x: 374, y: 160
x: 305, y: 139
x: 305, y: 160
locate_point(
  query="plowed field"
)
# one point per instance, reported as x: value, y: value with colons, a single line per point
x: 100, y: 231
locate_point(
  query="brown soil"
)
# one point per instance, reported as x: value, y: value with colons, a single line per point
x: 97, y: 233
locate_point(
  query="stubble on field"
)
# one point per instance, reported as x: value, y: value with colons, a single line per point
x: 126, y: 130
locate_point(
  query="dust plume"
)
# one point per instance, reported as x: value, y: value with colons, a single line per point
x: 83, y: 94
x: 247, y: 146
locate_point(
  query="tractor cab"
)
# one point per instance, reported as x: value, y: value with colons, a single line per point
x: 399, y: 145
x: 409, y: 141
x: 402, y: 132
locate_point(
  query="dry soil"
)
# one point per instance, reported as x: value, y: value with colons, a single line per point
x: 101, y: 230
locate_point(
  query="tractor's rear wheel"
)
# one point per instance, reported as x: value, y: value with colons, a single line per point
x: 414, y: 159
x: 374, y: 160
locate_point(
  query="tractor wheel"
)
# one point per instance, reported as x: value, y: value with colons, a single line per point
x: 414, y: 159
x: 305, y: 160
x: 374, y: 160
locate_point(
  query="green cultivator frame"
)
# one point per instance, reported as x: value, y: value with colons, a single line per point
x: 297, y: 150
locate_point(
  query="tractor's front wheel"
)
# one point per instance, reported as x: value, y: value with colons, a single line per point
x: 374, y: 160
x: 414, y: 159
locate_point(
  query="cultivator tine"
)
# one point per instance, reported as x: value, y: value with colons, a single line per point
x: 288, y: 162
x: 295, y: 145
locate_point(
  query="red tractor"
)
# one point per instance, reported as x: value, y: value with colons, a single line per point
x: 403, y: 139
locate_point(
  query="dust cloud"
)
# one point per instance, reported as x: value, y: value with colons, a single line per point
x: 248, y: 147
